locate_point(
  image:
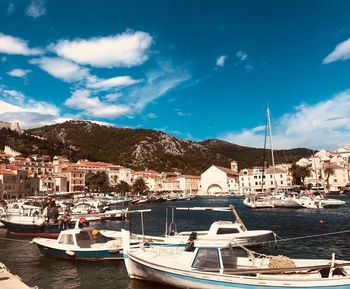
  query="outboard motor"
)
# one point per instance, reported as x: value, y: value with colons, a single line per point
x: 189, y: 247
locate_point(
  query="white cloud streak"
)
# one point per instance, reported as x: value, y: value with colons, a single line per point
x: 341, y: 52
x: 122, y: 50
x: 18, y: 72
x: 36, y: 8
x: 241, y: 55
x: 323, y: 125
x: 109, y: 83
x: 16, y: 46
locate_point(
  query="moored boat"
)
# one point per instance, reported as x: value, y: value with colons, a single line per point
x: 80, y: 244
x: 234, y: 233
x: 218, y: 266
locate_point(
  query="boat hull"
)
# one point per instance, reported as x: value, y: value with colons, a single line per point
x: 32, y: 230
x: 140, y: 269
x: 81, y: 255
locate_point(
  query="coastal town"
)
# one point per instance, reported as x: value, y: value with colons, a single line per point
x: 35, y: 175
x: 174, y: 144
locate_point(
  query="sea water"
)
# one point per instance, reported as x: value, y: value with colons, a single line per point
x: 24, y: 258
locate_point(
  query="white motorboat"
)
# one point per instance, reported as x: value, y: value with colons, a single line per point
x: 217, y: 266
x: 80, y: 244
x: 258, y: 201
x: 220, y: 231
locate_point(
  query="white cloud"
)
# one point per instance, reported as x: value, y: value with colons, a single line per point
x: 15, y: 106
x: 14, y: 45
x: 249, y: 67
x: 117, y: 81
x: 341, y: 52
x: 241, y: 55
x: 122, y: 50
x: 93, y: 106
x: 157, y: 84
x: 62, y: 69
x: 221, y: 60
x: 152, y: 115
x: 12, y: 95
x: 17, y: 72
x: 36, y: 8
x: 183, y: 114
x: 323, y: 125
x: 111, y: 97
x: 10, y: 9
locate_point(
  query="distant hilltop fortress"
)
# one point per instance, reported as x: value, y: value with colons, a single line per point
x: 11, y: 125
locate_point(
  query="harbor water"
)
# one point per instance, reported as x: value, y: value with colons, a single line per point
x: 24, y: 259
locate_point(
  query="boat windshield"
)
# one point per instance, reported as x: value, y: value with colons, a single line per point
x: 206, y: 258
x: 229, y: 259
x: 66, y: 239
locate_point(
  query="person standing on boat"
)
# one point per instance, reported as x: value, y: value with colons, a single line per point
x: 52, y: 213
x: 64, y: 219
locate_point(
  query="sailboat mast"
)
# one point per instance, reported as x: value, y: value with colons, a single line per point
x: 271, y: 144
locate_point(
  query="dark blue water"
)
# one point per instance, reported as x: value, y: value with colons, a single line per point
x: 24, y: 259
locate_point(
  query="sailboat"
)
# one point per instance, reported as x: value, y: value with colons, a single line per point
x: 272, y: 199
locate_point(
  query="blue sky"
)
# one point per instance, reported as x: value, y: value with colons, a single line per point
x: 194, y: 69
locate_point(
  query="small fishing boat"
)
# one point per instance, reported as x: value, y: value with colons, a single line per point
x: 80, y: 244
x: 35, y: 227
x: 219, y: 266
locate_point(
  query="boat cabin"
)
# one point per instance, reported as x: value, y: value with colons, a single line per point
x: 225, y: 227
x: 81, y: 238
x: 214, y: 259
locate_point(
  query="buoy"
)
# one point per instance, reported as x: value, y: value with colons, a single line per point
x: 321, y: 221
x: 95, y: 232
x: 70, y: 253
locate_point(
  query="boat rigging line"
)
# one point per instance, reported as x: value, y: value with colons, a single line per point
x: 278, y: 239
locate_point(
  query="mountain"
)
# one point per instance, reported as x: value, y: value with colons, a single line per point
x: 137, y: 148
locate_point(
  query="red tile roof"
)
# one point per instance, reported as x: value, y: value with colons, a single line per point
x: 227, y: 171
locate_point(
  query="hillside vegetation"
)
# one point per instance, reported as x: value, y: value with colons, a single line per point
x: 137, y: 148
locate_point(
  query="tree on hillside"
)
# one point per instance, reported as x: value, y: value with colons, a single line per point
x: 328, y: 172
x: 97, y: 182
x: 299, y: 174
x: 122, y: 188
x: 139, y: 186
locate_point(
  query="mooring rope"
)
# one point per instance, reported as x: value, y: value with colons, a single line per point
x: 278, y: 239
x: 28, y: 243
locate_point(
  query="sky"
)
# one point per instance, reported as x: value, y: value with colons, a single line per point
x: 194, y: 69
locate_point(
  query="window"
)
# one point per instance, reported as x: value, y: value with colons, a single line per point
x: 206, y: 259
x: 222, y: 231
x: 66, y: 239
x: 229, y: 260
